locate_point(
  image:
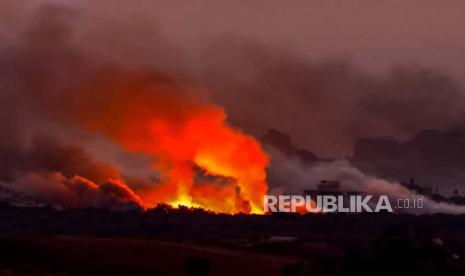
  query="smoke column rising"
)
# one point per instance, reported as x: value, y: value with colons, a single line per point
x: 52, y: 84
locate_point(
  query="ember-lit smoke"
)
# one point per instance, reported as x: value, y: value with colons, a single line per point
x: 50, y: 86
x: 104, y: 98
x: 150, y: 113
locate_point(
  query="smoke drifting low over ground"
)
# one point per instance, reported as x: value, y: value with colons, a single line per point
x: 93, y: 115
x: 306, y: 176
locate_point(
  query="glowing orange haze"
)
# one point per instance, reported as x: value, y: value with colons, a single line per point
x: 184, y: 137
x: 206, y: 141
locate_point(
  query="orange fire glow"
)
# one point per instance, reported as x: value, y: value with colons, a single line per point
x: 202, y: 160
x: 204, y: 140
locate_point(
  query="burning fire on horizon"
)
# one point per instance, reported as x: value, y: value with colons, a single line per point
x: 203, y: 162
x: 58, y: 97
x: 55, y: 94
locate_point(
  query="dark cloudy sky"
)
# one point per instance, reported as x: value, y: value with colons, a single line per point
x: 318, y: 70
x: 375, y: 34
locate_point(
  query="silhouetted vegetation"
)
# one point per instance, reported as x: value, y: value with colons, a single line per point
x: 167, y: 241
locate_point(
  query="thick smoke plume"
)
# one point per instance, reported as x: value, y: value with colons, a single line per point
x: 327, y: 104
x: 52, y: 86
x: 96, y: 109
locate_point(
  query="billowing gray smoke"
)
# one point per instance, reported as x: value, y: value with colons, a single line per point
x: 290, y: 175
x: 327, y: 105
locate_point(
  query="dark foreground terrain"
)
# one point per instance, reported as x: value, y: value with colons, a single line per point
x: 163, y: 241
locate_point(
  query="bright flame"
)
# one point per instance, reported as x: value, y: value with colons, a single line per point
x: 203, y: 161
x: 207, y: 142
